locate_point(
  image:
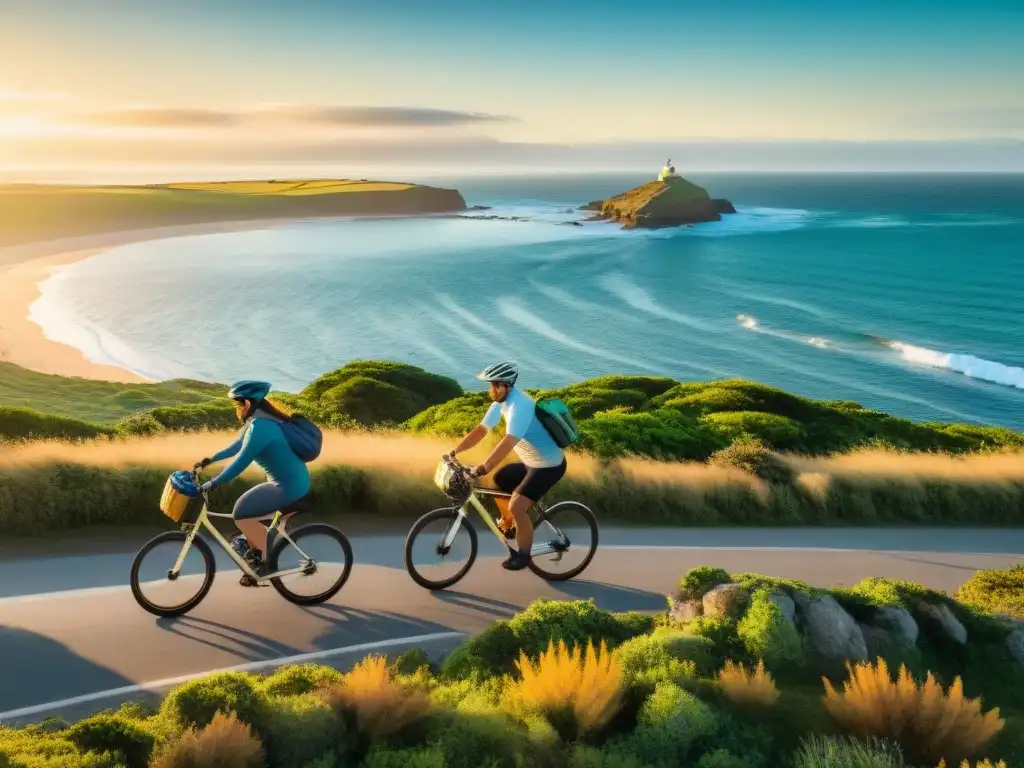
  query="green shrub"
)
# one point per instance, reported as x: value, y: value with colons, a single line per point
x: 767, y: 634
x: 723, y: 640
x: 846, y: 752
x: 543, y: 621
x: 751, y: 455
x: 195, y: 703
x: 647, y: 660
x: 374, y: 392
x: 474, y: 736
x: 203, y: 416
x: 999, y: 591
x: 296, y: 679
x: 592, y: 757
x: 670, y: 723
x: 773, y: 430
x: 698, y: 581
x: 116, y: 734
x: 139, y: 425
x: 664, y: 434
x: 35, y: 748
x: 417, y: 757
x: 410, y: 662
x: 722, y: 758
x: 26, y: 424
x: 299, y: 729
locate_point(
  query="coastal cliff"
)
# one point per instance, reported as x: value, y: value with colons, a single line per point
x: 39, y: 212
x: 672, y: 202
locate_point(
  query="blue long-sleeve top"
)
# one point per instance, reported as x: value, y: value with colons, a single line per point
x: 263, y: 441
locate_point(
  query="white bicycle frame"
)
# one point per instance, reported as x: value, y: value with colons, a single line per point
x: 203, y: 521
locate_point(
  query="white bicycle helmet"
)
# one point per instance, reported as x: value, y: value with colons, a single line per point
x: 503, y: 372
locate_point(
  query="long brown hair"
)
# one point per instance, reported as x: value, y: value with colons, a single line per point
x: 269, y: 407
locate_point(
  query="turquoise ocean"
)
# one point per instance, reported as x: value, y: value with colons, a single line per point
x: 904, y: 293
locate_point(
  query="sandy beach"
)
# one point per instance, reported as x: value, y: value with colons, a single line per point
x: 23, y: 268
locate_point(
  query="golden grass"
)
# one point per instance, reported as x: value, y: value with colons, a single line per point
x: 380, y: 705
x: 589, y: 683
x: 225, y: 743
x: 982, y: 764
x: 1002, y: 467
x: 417, y: 455
x: 748, y: 688
x: 927, y: 722
x: 290, y: 187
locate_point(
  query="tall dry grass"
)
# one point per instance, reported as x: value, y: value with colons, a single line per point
x: 225, y: 743
x: 378, y: 705
x: 586, y: 683
x: 929, y: 723
x: 52, y: 485
x: 748, y: 687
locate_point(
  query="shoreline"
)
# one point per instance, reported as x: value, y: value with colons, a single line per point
x: 23, y: 269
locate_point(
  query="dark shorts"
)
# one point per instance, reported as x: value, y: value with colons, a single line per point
x: 527, y: 481
x: 263, y: 501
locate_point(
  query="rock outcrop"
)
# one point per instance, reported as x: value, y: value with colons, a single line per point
x: 831, y: 632
x: 724, y: 600
x: 673, y: 202
x: 898, y: 623
x: 944, y: 618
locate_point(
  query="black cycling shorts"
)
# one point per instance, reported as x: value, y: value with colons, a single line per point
x: 531, y: 482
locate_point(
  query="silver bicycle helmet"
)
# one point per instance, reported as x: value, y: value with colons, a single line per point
x: 503, y: 372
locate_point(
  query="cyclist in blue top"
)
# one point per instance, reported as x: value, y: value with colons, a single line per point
x: 263, y: 441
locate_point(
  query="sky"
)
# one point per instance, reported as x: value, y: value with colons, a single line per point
x: 454, y: 83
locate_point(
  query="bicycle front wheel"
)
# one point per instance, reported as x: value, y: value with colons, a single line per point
x: 439, y: 541
x: 568, y: 532
x: 155, y: 585
x: 320, y: 561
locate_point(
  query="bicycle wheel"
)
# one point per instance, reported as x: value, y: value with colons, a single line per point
x: 325, y: 557
x: 442, y: 523
x: 151, y: 572
x: 570, y: 529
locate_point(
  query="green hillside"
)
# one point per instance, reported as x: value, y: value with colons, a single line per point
x: 618, y: 415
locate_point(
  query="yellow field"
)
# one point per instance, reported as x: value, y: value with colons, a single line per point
x: 293, y: 187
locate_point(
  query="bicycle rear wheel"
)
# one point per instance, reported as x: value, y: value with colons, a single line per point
x: 570, y: 530
x: 324, y: 555
x: 162, y: 592
x: 439, y: 535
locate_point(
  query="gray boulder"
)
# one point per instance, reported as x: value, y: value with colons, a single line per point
x: 831, y: 632
x: 950, y: 624
x: 785, y: 604
x: 897, y: 622
x: 1015, y: 645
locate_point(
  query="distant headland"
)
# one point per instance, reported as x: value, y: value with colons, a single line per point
x: 43, y: 212
x: 669, y: 201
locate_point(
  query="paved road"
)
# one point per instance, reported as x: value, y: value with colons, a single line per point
x: 70, y: 627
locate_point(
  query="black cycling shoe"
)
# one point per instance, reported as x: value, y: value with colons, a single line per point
x: 256, y: 562
x: 516, y: 561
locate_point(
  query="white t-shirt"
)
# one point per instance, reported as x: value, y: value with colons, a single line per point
x: 536, y: 447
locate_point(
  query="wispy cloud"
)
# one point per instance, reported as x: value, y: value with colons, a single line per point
x: 300, y: 114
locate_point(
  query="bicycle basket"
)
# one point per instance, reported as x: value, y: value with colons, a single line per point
x: 452, y: 483
x: 181, y: 507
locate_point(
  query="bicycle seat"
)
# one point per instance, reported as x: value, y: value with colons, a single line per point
x: 302, y: 505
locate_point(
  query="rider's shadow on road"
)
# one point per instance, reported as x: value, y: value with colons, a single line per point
x: 611, y: 597
x: 36, y: 669
x: 223, y: 637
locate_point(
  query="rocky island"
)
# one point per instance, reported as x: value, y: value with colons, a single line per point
x: 670, y: 201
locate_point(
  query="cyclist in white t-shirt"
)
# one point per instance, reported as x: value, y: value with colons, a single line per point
x: 542, y: 462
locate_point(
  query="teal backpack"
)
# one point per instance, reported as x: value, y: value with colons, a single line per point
x: 558, y: 421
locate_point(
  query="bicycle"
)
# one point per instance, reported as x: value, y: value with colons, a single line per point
x: 278, y: 542
x: 452, y: 477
